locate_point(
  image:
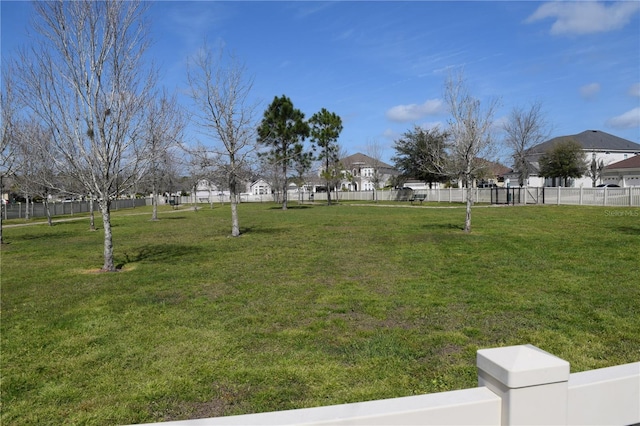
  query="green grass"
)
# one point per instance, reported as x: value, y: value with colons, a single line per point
x: 313, y: 306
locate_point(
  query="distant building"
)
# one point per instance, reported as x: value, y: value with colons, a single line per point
x: 624, y: 173
x: 359, y: 172
x: 260, y: 187
x: 596, y: 144
x: 206, y: 191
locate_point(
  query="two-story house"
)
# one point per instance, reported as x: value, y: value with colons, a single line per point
x: 363, y: 173
x: 596, y: 144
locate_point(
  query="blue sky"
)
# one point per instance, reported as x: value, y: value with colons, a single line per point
x: 381, y: 65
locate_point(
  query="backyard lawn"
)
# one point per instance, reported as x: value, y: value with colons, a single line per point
x: 311, y: 306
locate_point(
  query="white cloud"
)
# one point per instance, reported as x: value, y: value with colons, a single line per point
x: 413, y: 112
x: 391, y: 134
x: 589, y: 91
x: 634, y: 90
x: 628, y: 120
x: 582, y: 17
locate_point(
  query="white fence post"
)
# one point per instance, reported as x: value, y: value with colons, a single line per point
x: 532, y: 384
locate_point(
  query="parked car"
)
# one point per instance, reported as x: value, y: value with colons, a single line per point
x: 608, y: 185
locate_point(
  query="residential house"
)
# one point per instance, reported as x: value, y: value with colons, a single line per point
x: 624, y: 173
x: 596, y: 144
x: 492, y: 174
x: 260, y: 187
x: 206, y: 191
x: 359, y: 173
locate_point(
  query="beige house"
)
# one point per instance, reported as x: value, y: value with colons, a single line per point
x: 360, y: 172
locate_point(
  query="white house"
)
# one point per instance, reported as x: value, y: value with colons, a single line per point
x: 260, y: 187
x: 624, y: 173
x: 206, y: 191
x: 596, y: 144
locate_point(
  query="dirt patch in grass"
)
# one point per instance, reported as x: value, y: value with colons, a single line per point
x: 226, y: 397
x: 127, y: 268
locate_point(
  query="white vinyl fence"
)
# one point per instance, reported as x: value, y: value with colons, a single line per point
x: 613, y: 197
x: 516, y: 385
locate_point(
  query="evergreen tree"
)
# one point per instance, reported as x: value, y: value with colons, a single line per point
x: 283, y: 131
x: 325, y: 130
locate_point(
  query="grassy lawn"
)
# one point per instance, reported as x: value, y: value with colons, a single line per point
x: 313, y: 306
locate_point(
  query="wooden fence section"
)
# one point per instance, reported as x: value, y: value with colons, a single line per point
x: 517, y: 385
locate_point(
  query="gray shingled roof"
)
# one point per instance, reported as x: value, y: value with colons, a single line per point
x: 365, y: 160
x: 590, y: 140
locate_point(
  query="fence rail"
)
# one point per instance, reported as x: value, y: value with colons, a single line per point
x: 19, y: 210
x: 611, y: 197
x: 516, y: 385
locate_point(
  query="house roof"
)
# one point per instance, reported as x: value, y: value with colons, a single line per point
x: 497, y: 169
x: 364, y: 160
x: 629, y: 163
x: 590, y: 140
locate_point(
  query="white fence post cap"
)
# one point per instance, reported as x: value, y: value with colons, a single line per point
x: 522, y: 366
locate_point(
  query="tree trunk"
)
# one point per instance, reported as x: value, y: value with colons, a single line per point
x: 233, y: 189
x: 467, y: 220
x: 235, y: 227
x: 26, y: 213
x: 48, y: 210
x: 3, y: 208
x: 92, y: 220
x: 154, y: 202
x: 105, y: 208
x: 284, y: 188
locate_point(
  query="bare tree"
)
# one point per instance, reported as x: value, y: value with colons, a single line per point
x: 165, y: 124
x: 220, y: 91
x: 272, y: 173
x: 374, y: 150
x: 596, y: 169
x: 8, y: 108
x: 35, y: 175
x: 525, y: 129
x: 202, y: 166
x: 301, y: 167
x: 86, y: 80
x: 470, y: 131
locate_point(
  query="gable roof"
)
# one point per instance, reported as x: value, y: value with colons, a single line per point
x: 364, y: 160
x: 496, y: 168
x: 590, y: 140
x: 629, y: 163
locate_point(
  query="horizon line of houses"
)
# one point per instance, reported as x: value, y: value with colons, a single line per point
x: 621, y: 158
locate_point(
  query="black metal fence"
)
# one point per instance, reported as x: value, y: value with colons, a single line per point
x: 507, y: 195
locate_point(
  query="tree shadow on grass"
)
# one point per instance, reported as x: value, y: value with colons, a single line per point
x: 443, y: 226
x: 631, y: 230
x: 299, y: 207
x: 260, y: 230
x: 165, y: 253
